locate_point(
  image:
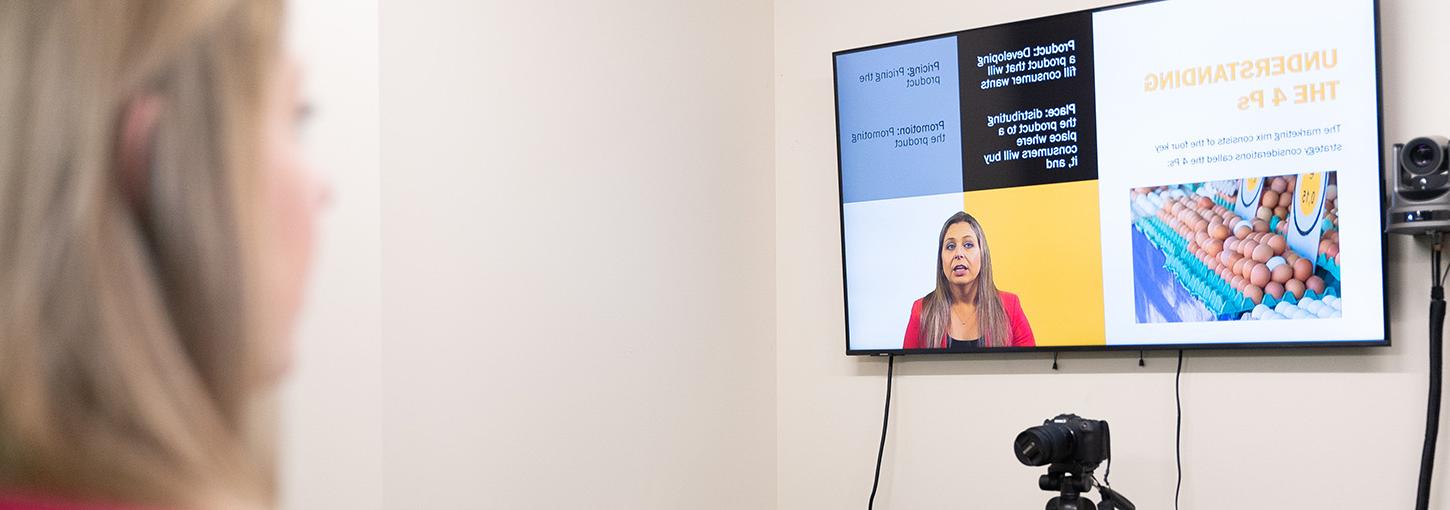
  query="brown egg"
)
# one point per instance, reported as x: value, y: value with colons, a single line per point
x: 1282, y: 273
x: 1259, y: 275
x: 1238, y: 266
x: 1296, y: 288
x: 1302, y: 268
x: 1333, y: 251
x: 1246, y: 247
x: 1285, y: 199
x: 1262, y: 253
x: 1213, y: 247
x: 1231, y: 244
x: 1225, y: 273
x: 1200, y: 238
x: 1237, y: 282
x: 1254, y: 293
x: 1270, y: 198
x: 1242, y: 231
x: 1316, y: 284
x: 1218, y: 231
x: 1227, y: 258
x: 1205, y: 203
x: 1281, y: 212
x: 1276, y: 243
x: 1261, y: 225
x: 1275, y: 289
x: 1264, y: 214
x: 1336, y: 257
x: 1278, y: 184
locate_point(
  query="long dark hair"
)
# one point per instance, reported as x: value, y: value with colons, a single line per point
x: 936, y: 306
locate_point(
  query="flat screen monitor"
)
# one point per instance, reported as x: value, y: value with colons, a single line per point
x: 1166, y: 174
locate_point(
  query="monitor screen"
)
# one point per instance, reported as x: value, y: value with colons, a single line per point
x: 1166, y: 174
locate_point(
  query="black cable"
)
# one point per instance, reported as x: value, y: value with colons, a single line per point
x: 1178, y: 438
x: 1432, y: 408
x: 885, y: 418
x: 1435, y: 273
x: 1054, y: 361
x: 1107, y: 471
x: 1435, y: 255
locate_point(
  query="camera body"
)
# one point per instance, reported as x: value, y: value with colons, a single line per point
x: 1419, y: 187
x: 1064, y: 439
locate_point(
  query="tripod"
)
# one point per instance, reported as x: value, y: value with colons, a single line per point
x: 1070, y: 481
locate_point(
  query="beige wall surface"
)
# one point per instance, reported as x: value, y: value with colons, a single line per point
x: 578, y: 257
x: 330, y: 411
x: 1340, y: 428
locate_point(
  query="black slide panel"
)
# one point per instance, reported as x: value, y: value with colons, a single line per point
x: 1028, y: 114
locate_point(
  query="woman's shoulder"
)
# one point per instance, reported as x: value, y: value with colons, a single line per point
x: 26, y: 501
x: 1009, y: 299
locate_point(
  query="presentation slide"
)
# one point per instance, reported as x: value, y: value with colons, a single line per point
x: 1164, y: 173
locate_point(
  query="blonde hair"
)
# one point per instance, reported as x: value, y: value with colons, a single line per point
x: 936, y: 306
x: 128, y: 327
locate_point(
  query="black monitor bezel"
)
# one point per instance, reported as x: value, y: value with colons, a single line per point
x: 1384, y: 237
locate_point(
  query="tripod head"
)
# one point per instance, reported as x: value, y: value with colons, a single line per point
x: 1071, y: 481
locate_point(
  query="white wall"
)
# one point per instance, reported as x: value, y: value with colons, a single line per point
x: 1340, y: 428
x: 577, y: 254
x: 330, y: 411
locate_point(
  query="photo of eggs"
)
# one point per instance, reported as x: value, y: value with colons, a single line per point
x: 1256, y: 248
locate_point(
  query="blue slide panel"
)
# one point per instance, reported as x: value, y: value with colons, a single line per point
x: 900, y: 121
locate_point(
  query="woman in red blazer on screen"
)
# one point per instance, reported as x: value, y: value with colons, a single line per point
x: 966, y: 310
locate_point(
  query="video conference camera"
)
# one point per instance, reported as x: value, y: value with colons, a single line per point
x: 1072, y: 447
x: 1419, y: 187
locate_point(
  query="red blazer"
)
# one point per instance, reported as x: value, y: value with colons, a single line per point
x: 9, y: 501
x: 1021, y: 330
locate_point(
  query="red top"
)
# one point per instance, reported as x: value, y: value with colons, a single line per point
x: 10, y: 501
x: 1021, y: 330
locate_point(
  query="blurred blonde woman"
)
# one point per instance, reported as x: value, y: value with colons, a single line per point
x: 155, y: 228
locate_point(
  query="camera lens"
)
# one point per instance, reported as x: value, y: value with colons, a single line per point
x: 1043, y: 444
x: 1422, y: 156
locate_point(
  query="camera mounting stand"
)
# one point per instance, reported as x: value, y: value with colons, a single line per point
x: 1070, y: 480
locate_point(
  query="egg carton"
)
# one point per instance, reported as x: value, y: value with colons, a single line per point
x: 1216, y: 294
x: 1330, y: 293
x: 1329, y: 266
x: 1330, y: 307
x: 1201, y: 281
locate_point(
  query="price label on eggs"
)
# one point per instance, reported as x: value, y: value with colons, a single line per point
x: 1248, y: 200
x: 1306, y: 216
